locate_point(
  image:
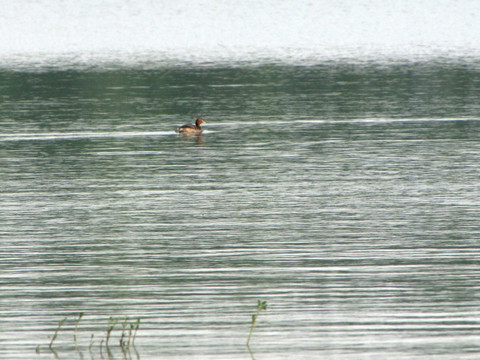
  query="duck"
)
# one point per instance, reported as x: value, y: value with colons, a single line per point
x: 190, y: 129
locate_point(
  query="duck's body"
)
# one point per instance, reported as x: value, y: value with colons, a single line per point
x: 190, y: 129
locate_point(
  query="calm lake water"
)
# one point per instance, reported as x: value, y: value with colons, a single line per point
x: 344, y: 194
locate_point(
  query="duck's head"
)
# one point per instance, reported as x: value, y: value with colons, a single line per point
x: 199, y: 122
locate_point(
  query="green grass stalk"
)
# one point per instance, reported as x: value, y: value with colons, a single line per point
x: 90, y: 345
x: 60, y: 324
x: 76, y: 330
x: 124, y: 326
x: 137, y: 325
x: 111, y: 324
x: 261, y: 305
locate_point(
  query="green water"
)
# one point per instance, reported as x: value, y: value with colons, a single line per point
x: 346, y: 195
x: 327, y: 91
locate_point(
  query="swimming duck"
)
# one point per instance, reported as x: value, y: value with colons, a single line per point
x: 190, y: 129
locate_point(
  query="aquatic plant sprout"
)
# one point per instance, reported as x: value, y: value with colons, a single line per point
x: 60, y: 324
x: 76, y: 330
x: 261, y: 305
x: 126, y: 342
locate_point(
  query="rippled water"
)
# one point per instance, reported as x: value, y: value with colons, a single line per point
x: 346, y: 195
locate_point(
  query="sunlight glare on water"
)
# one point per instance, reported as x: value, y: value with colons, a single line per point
x: 69, y: 32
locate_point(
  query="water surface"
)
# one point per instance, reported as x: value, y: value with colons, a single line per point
x: 344, y: 194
